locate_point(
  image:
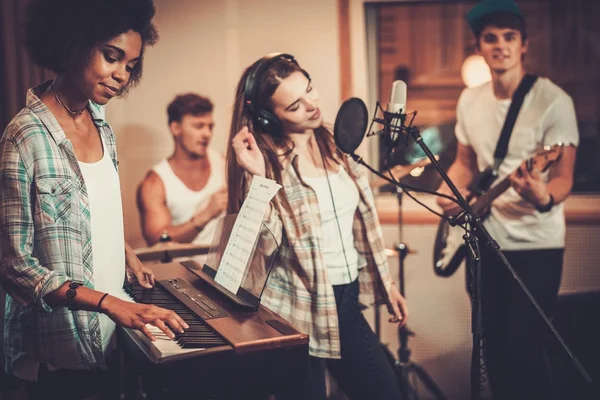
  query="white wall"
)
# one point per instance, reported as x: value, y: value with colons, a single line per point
x: 204, y: 47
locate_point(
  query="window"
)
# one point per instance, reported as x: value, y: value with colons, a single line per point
x: 425, y: 44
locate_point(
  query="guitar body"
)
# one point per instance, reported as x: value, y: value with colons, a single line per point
x: 449, y: 249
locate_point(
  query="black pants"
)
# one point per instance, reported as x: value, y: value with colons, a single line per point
x: 363, y: 372
x: 514, y: 333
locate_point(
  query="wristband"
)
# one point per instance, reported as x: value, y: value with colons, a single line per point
x: 164, y: 237
x: 546, y: 207
x: 100, y: 302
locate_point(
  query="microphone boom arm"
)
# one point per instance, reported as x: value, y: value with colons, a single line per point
x: 402, y: 186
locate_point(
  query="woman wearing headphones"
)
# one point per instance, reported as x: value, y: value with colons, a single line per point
x: 325, y: 220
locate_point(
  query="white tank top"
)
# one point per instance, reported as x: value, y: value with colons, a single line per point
x: 338, y: 246
x: 184, y: 202
x: 108, y: 238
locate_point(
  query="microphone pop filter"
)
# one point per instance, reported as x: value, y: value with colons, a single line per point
x: 350, y: 125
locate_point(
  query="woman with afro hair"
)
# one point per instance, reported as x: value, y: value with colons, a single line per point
x: 63, y: 257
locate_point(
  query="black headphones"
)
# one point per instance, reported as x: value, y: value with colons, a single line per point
x: 261, y: 117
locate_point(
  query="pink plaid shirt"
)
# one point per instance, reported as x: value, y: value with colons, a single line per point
x: 298, y: 288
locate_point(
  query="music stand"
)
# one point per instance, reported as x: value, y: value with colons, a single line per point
x: 256, y: 269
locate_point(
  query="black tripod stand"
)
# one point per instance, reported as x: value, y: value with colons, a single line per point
x: 411, y: 376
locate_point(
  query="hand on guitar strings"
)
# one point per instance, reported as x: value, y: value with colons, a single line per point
x: 530, y: 185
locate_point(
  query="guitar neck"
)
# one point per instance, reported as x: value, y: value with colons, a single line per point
x: 542, y: 161
x: 487, y: 198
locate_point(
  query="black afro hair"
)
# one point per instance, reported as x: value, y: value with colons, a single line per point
x: 61, y: 34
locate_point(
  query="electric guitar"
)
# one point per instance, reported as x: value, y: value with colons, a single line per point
x: 449, y: 249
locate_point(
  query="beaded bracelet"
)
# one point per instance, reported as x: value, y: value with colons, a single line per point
x: 71, y: 295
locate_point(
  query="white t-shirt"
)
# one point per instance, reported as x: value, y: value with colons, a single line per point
x: 184, y: 202
x: 346, y: 202
x: 547, y: 117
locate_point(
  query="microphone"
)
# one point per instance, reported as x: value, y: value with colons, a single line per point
x: 393, y: 117
x: 397, y: 97
x: 352, y: 120
x: 351, y: 123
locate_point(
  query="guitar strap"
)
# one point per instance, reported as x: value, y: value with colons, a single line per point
x: 511, y: 117
x: 488, y: 176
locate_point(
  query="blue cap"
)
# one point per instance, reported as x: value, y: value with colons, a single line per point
x: 487, y: 7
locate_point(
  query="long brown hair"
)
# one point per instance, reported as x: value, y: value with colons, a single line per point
x: 272, y: 146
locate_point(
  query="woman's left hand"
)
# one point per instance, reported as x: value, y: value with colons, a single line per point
x: 136, y: 271
x: 397, y: 307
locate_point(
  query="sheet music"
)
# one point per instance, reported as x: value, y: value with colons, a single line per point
x: 245, y: 232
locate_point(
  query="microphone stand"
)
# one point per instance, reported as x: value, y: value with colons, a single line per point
x: 407, y: 371
x: 406, y: 366
x: 471, y: 240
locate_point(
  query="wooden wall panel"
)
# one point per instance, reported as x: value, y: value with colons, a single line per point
x: 433, y: 39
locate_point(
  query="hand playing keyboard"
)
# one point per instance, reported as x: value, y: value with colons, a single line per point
x: 136, y: 316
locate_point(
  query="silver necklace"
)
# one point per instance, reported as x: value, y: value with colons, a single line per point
x: 73, y: 113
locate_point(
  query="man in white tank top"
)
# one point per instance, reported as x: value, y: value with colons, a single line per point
x: 183, y: 196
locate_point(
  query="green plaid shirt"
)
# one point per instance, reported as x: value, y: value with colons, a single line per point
x: 298, y: 288
x: 45, y: 239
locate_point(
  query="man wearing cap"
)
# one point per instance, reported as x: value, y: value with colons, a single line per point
x: 528, y: 219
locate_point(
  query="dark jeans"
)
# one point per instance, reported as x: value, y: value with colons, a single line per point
x: 363, y: 372
x: 65, y: 384
x: 514, y: 333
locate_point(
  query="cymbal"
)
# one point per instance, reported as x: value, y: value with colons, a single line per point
x: 401, y: 171
x: 166, y: 250
x: 394, y: 252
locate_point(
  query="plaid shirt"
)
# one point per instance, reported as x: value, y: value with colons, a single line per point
x: 45, y: 239
x: 298, y: 288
